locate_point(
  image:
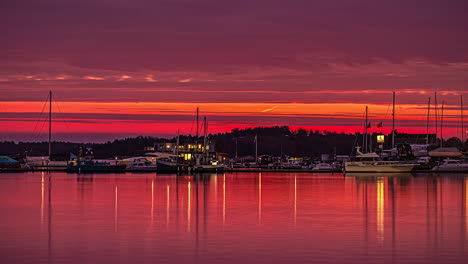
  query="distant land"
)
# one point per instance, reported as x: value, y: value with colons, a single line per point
x: 275, y: 141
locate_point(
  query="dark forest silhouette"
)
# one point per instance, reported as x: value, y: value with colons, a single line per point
x: 274, y: 141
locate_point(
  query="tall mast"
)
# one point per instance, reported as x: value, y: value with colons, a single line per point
x: 256, y: 148
x: 205, y: 128
x: 365, y: 133
x: 393, y: 122
x: 435, y: 115
x: 236, y: 148
x: 50, y: 123
x: 177, y: 148
x: 461, y: 115
x: 442, y: 125
x: 427, y: 123
x: 196, y: 140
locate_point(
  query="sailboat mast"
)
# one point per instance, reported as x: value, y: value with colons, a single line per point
x: 427, y: 123
x: 365, y: 133
x: 442, y: 125
x: 435, y: 115
x: 205, y: 128
x: 50, y: 123
x: 461, y: 116
x: 256, y: 147
x: 196, y: 140
x: 393, y: 122
x: 177, y: 147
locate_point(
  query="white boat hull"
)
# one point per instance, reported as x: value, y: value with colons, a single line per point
x: 376, y: 167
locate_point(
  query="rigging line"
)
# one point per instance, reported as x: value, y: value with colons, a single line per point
x: 40, y: 115
x: 191, y: 128
x: 3, y: 108
x: 35, y: 134
x: 386, y: 113
x: 62, y: 116
x: 356, y: 138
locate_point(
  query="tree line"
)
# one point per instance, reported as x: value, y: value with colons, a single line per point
x: 275, y: 141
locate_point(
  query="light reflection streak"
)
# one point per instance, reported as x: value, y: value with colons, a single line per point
x: 259, y: 197
x: 42, y: 200
x: 152, y: 201
x: 380, y: 209
x: 295, y: 199
x: 215, y: 179
x: 466, y: 206
x: 115, y: 208
x: 224, y: 199
x: 167, y: 206
x: 188, y: 206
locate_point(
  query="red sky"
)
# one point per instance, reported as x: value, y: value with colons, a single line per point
x: 126, y: 67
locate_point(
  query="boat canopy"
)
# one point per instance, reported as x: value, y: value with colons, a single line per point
x: 445, y: 152
x: 5, y: 160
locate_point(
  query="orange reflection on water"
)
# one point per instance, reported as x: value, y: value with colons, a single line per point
x: 224, y: 199
x: 42, y: 200
x: 115, y: 208
x: 295, y: 198
x: 380, y: 209
x: 466, y: 209
x: 259, y: 197
x: 189, y: 202
x: 167, y: 206
x: 152, y: 201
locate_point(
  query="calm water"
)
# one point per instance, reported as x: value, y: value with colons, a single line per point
x: 233, y: 218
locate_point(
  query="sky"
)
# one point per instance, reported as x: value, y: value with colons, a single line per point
x: 124, y: 68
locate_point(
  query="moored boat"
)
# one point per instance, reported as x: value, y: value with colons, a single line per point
x: 138, y: 164
x: 370, y: 162
x: 452, y: 165
x: 445, y: 153
x: 85, y: 163
x: 214, y: 166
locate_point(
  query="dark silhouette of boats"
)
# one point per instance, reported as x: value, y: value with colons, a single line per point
x: 84, y: 163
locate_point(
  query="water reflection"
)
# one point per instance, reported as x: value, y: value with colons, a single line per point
x: 42, y: 200
x: 259, y: 197
x: 224, y: 199
x: 295, y: 199
x: 167, y: 206
x: 465, y: 211
x: 380, y: 209
x: 399, y: 218
x: 116, y: 198
x: 189, y: 203
x: 152, y: 201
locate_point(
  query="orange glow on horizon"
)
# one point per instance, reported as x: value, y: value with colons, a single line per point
x: 339, y: 117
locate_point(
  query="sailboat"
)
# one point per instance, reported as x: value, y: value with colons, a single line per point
x: 169, y: 163
x: 46, y: 161
x: 202, y: 162
x: 371, y: 162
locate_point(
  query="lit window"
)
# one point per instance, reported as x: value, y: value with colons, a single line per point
x: 380, y: 138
